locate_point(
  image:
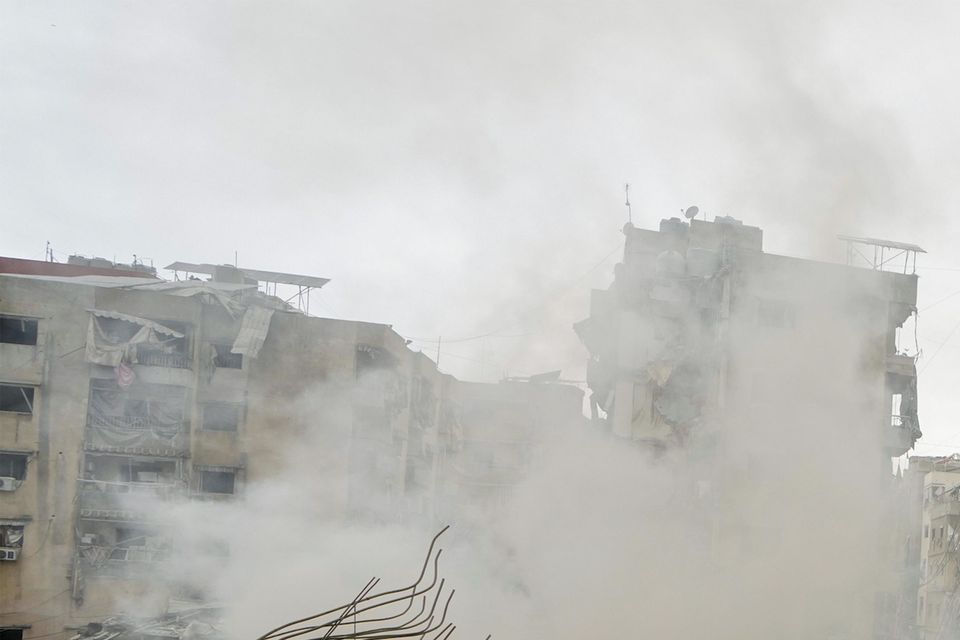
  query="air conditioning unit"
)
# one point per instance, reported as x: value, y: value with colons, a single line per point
x: 8, y: 484
x: 9, y: 554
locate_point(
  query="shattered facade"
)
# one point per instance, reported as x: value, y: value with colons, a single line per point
x: 119, y: 393
x: 768, y: 372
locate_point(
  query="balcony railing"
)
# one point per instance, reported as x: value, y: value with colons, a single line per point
x: 157, y: 357
x: 136, y: 435
x: 101, y: 500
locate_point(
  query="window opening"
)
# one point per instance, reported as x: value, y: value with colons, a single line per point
x: 13, y: 465
x: 11, y: 536
x: 217, y: 481
x: 224, y: 359
x: 221, y: 417
x: 18, y: 330
x: 16, y: 399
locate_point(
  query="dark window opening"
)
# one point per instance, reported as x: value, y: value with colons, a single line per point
x: 18, y: 330
x: 217, y: 481
x: 221, y: 417
x: 13, y: 465
x: 169, y: 352
x: 224, y: 359
x: 371, y: 358
x: 776, y: 314
x: 16, y: 399
x: 11, y: 634
x: 11, y: 536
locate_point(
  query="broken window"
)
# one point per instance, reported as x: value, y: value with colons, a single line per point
x: 221, y: 417
x: 170, y: 351
x: 18, y: 330
x: 16, y: 398
x: 776, y: 314
x: 370, y: 358
x: 217, y: 481
x: 224, y: 359
x: 11, y: 536
x: 13, y: 465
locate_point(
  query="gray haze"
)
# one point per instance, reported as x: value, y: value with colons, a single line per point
x: 457, y: 168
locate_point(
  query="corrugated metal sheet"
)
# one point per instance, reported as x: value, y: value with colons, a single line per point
x: 253, y: 331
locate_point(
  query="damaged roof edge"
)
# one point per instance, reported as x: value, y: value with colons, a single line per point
x: 256, y: 274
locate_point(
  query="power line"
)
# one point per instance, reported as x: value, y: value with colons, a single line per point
x: 944, y: 299
x: 39, y: 604
x: 554, y: 294
x: 940, y: 348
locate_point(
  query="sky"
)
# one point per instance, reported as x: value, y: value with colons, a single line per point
x: 457, y: 168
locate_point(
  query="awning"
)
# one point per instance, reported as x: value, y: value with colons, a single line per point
x: 143, y: 322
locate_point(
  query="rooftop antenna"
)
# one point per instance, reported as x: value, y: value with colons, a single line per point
x: 626, y: 191
x: 691, y: 212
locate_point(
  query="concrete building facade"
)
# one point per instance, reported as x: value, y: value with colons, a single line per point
x: 770, y: 374
x: 120, y: 394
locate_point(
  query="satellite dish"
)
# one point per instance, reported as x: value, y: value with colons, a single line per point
x: 691, y: 212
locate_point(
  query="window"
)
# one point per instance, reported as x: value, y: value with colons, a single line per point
x: 776, y: 314
x: 16, y: 399
x: 221, y: 417
x: 18, y: 330
x: 217, y: 481
x: 142, y: 472
x: 11, y: 634
x: 11, y: 536
x: 224, y: 359
x: 13, y: 465
x: 926, y: 531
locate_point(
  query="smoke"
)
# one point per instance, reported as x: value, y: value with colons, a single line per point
x: 768, y: 524
x: 456, y: 168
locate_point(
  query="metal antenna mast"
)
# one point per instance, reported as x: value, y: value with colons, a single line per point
x: 626, y: 191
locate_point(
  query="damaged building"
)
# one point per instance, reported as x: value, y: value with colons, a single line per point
x: 121, y: 393
x: 769, y: 373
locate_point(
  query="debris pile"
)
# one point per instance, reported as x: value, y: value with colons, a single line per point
x: 192, y: 624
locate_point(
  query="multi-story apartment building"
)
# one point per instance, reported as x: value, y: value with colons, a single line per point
x: 770, y: 373
x: 933, y: 509
x: 123, y: 396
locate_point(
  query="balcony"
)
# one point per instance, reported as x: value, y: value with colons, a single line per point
x: 944, y: 508
x: 136, y: 435
x: 157, y: 356
x: 123, y: 561
x: 126, y: 501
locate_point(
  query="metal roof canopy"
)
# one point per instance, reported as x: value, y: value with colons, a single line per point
x: 880, y: 257
x: 256, y: 274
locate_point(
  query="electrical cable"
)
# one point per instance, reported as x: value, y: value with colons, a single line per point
x: 39, y: 604
x: 940, y: 348
x: 558, y: 292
